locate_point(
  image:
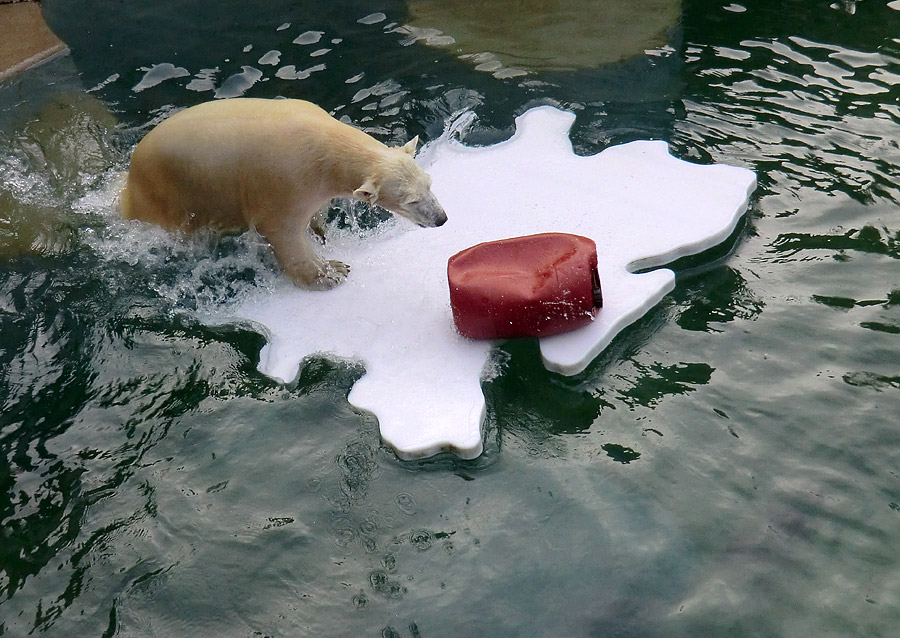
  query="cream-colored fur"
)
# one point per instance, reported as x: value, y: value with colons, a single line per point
x: 270, y: 165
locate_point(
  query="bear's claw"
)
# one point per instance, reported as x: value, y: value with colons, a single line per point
x: 332, y: 273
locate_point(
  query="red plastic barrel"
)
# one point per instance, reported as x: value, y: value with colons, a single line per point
x: 531, y: 286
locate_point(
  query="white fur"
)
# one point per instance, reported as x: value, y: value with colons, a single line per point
x: 270, y: 164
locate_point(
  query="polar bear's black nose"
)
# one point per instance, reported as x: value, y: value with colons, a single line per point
x: 430, y: 212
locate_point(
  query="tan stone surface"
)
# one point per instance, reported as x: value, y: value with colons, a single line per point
x: 510, y: 37
x: 26, y: 39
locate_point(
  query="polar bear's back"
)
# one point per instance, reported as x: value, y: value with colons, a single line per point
x: 240, y: 126
x: 203, y: 165
x: 252, y: 113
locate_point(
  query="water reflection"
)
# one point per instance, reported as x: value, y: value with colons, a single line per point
x: 653, y: 382
x: 801, y: 95
x: 867, y: 239
x: 58, y: 156
x: 536, y: 401
x: 509, y: 38
x: 719, y: 296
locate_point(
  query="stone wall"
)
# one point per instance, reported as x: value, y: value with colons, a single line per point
x: 27, y: 40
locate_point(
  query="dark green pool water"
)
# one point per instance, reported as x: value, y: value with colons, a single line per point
x: 730, y: 467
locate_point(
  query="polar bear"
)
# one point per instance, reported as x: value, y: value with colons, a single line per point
x: 270, y: 165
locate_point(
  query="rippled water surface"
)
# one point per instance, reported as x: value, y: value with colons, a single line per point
x: 729, y: 467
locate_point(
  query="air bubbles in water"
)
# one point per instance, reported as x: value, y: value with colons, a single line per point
x: 360, y: 600
x: 421, y: 539
x: 406, y: 503
x: 381, y: 583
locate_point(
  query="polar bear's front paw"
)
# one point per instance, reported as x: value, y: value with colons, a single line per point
x: 329, y: 274
x: 320, y: 275
x: 332, y: 274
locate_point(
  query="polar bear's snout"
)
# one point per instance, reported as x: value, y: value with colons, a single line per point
x: 428, y: 212
x: 423, y: 210
x: 402, y: 187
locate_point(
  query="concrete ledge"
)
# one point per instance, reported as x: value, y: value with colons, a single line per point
x: 27, y: 40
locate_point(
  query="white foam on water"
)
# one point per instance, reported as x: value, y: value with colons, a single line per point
x: 373, y: 18
x: 159, y: 73
x: 290, y: 72
x: 309, y: 37
x: 23, y: 184
x: 239, y: 83
x: 204, y: 80
x: 641, y: 206
x: 272, y: 57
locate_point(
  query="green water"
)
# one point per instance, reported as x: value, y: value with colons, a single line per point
x: 730, y: 467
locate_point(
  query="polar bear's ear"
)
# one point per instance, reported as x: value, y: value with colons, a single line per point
x: 410, y: 146
x: 368, y: 192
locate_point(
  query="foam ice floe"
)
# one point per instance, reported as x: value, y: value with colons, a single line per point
x: 641, y: 206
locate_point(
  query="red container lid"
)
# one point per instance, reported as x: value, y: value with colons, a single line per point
x: 532, y: 286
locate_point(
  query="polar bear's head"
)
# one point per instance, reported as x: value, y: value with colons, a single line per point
x: 402, y: 187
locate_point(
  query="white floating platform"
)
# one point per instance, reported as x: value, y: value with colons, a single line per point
x: 641, y: 206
